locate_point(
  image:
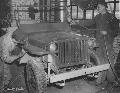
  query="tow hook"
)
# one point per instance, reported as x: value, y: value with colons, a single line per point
x: 61, y: 83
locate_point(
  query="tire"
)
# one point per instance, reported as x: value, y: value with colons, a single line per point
x: 35, y: 75
x: 95, y: 61
x: 111, y: 74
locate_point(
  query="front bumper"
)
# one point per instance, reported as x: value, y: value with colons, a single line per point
x: 77, y: 73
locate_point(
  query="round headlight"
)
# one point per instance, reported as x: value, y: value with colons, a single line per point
x: 91, y: 42
x: 53, y: 47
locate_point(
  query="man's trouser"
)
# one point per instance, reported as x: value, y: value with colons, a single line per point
x: 106, y: 54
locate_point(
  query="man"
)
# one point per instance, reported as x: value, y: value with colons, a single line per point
x: 107, y: 27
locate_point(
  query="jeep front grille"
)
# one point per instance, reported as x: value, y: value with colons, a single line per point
x: 72, y: 52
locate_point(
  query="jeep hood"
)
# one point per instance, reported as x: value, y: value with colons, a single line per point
x: 40, y: 36
x: 44, y: 32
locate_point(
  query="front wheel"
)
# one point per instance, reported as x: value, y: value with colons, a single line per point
x: 36, y: 80
x: 95, y: 60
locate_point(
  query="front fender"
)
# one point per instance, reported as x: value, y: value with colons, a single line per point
x: 25, y: 59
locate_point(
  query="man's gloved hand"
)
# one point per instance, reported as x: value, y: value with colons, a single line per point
x: 103, y: 32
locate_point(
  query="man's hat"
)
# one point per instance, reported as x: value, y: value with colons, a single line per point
x: 102, y: 2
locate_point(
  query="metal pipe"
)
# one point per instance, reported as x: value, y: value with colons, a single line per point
x: 63, y: 3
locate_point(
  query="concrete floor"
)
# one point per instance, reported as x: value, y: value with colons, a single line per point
x: 84, y: 86
x: 78, y: 85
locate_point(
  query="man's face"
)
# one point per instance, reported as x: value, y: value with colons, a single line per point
x: 101, y: 8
